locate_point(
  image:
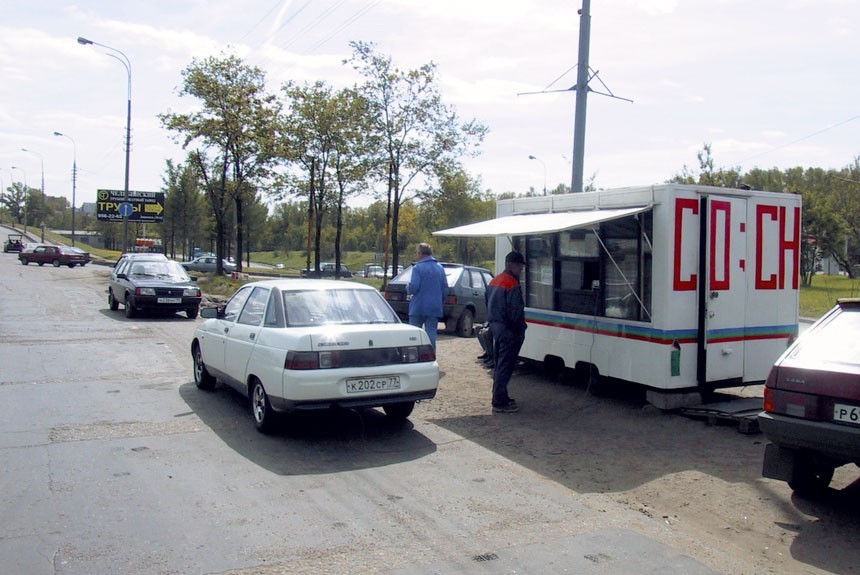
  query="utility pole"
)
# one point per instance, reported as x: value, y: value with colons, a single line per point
x: 581, y: 97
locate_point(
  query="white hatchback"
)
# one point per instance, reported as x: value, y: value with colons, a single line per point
x: 299, y: 344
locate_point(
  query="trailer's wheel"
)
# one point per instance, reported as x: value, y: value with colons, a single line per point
x: 595, y: 384
x: 553, y: 366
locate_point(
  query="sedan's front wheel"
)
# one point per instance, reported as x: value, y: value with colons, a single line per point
x: 261, y: 408
x: 129, y: 308
x: 202, y: 378
x: 112, y: 303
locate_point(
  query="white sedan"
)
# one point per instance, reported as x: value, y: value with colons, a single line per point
x: 298, y: 344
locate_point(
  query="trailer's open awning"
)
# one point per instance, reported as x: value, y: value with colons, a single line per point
x: 528, y: 224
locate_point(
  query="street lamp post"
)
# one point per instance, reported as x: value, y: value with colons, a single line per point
x: 544, y: 171
x: 26, y: 195
x: 125, y: 62
x: 44, y: 207
x: 74, y: 177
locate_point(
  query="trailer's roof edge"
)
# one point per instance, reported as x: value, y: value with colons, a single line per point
x: 528, y: 224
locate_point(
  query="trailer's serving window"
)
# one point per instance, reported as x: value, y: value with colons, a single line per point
x: 604, y: 272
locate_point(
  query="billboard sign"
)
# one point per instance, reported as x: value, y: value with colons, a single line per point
x: 144, y: 207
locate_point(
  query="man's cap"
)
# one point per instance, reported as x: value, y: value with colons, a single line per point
x: 515, y: 258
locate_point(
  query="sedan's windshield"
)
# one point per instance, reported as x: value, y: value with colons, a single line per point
x: 158, y: 269
x: 338, y: 306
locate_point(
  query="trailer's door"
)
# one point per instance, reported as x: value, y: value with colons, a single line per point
x: 725, y: 289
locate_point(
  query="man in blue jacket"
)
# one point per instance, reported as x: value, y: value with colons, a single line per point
x: 428, y: 287
x: 506, y: 314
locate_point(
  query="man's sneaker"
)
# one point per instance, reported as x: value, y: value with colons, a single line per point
x: 509, y: 408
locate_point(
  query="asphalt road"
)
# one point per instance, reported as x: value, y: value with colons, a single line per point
x: 114, y: 462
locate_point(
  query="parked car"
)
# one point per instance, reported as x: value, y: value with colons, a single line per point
x: 14, y: 243
x: 294, y: 344
x: 465, y: 305
x: 87, y: 257
x: 812, y: 403
x: 327, y: 271
x: 208, y: 264
x: 152, y: 284
x: 138, y: 256
x: 54, y: 255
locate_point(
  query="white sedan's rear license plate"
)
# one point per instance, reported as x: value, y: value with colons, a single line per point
x: 846, y: 413
x: 365, y: 384
x: 170, y: 300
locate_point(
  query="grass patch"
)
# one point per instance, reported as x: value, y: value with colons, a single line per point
x: 819, y: 297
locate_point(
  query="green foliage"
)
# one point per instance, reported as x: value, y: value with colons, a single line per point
x: 823, y: 291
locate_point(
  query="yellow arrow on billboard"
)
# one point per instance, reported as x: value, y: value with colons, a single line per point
x: 153, y: 208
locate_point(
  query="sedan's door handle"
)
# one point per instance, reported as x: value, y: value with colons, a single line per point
x: 252, y: 335
x: 226, y: 330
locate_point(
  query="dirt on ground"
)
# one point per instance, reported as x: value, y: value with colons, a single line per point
x: 701, y: 479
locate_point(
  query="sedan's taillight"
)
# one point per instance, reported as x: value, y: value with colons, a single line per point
x: 451, y: 300
x: 304, y: 360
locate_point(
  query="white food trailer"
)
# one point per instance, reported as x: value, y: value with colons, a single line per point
x: 680, y: 288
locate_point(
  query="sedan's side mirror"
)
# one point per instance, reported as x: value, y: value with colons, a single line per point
x: 209, y: 312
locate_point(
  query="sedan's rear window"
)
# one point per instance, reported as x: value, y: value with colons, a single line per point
x: 339, y: 306
x: 836, y: 341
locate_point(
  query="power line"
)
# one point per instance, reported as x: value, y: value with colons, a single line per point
x: 799, y: 139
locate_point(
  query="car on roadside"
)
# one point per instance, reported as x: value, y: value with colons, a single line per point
x: 55, y: 255
x: 139, y: 256
x: 87, y: 256
x: 812, y: 403
x: 465, y: 304
x: 327, y: 270
x: 14, y: 243
x: 300, y: 344
x: 209, y: 265
x: 152, y: 284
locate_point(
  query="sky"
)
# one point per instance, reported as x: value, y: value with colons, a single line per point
x: 767, y: 83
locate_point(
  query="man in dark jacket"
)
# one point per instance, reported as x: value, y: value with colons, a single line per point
x: 428, y: 287
x: 506, y: 314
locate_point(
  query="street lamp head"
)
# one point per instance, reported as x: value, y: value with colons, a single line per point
x: 58, y: 134
x: 83, y: 41
x: 532, y: 158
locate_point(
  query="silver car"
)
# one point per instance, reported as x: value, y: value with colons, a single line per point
x: 208, y: 264
x: 306, y: 344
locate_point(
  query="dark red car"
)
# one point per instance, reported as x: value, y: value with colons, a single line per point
x: 54, y: 255
x: 812, y: 403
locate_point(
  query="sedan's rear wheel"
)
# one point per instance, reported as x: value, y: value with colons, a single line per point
x: 399, y: 410
x: 202, y: 378
x: 810, y: 477
x: 112, y: 303
x: 56, y: 263
x: 24, y: 261
x: 261, y: 409
x: 465, y: 324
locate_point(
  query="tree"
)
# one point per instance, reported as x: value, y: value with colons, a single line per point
x: 14, y: 198
x: 458, y: 201
x: 185, y: 209
x: 418, y: 132
x: 232, y: 133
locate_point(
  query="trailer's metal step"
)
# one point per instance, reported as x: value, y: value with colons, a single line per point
x: 742, y: 410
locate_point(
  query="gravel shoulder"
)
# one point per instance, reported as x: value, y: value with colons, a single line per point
x: 703, y: 481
